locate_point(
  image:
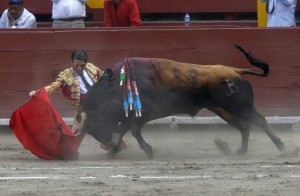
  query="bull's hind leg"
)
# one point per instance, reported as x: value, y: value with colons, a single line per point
x: 237, y: 123
x: 254, y: 118
x: 136, y: 132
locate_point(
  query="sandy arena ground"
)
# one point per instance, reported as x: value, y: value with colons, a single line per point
x: 186, y: 162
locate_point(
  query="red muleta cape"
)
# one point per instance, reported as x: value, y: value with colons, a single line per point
x: 42, y: 131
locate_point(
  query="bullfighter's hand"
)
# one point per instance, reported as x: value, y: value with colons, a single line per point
x: 31, y: 93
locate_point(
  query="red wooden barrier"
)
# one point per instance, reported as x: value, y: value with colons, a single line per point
x: 31, y: 59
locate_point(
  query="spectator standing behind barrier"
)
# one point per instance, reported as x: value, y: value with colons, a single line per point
x: 281, y: 13
x: 16, y: 16
x: 121, y: 13
x: 68, y: 13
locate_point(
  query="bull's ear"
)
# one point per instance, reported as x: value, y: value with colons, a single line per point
x: 108, y: 74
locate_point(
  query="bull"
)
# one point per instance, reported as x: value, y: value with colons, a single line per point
x: 167, y: 88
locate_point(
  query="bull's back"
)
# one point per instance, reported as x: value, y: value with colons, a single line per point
x: 171, y: 74
x: 168, y: 87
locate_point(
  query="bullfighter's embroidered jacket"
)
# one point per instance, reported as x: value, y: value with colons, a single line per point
x: 67, y: 82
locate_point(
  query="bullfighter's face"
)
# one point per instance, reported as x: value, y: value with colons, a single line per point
x: 78, y: 66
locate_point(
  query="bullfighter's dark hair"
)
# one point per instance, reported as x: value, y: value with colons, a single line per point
x: 16, y: 2
x: 79, y: 55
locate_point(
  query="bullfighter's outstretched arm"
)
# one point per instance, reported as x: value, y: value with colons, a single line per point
x: 55, y: 86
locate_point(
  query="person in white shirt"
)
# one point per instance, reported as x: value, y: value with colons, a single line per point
x: 281, y: 13
x: 68, y: 13
x: 16, y: 16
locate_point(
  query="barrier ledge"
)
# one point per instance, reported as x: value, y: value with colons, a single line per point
x: 177, y: 120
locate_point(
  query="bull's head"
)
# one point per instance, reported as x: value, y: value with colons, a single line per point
x: 110, y: 141
x: 99, y: 113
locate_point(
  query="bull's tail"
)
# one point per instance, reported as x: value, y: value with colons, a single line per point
x: 253, y: 61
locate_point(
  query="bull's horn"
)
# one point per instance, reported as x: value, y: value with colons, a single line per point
x: 79, y: 129
x: 116, y: 138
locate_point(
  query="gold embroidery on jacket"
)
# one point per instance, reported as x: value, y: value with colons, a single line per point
x: 69, y: 84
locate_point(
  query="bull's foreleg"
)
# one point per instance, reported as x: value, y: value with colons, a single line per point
x: 118, y: 139
x: 136, y: 132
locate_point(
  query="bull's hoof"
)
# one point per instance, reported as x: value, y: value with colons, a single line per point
x: 149, y: 154
x: 148, y: 150
x: 241, y: 151
x: 111, y: 155
x: 292, y: 151
x: 223, y: 147
x: 280, y: 146
x: 113, y: 151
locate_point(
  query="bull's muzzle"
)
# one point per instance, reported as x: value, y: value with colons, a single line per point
x: 116, y: 143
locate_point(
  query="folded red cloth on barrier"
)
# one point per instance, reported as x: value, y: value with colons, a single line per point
x: 42, y: 131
